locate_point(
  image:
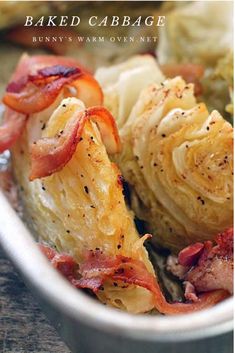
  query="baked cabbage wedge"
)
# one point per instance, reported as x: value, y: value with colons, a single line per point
x: 191, y: 37
x: 74, y: 200
x: 178, y: 160
x: 122, y: 84
x: 82, y: 207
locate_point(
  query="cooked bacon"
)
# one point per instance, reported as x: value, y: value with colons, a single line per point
x: 39, y: 91
x: 98, y: 267
x: 191, y: 73
x: 49, y: 155
x: 87, y: 90
x: 94, y: 283
x: 29, y: 65
x: 11, y: 128
x: 224, y: 242
x: 34, y: 93
x: 55, y: 70
x: 214, y: 266
x: 36, y: 83
x: 190, y: 292
x: 64, y: 263
x: 133, y: 271
x: 190, y: 255
x: 47, y: 251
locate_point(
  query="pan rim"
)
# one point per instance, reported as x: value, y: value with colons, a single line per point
x: 50, y: 284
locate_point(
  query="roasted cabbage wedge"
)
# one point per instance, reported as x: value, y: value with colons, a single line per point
x: 178, y: 160
x: 81, y: 207
x: 191, y: 37
x: 122, y: 84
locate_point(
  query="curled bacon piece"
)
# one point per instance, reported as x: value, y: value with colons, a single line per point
x: 191, y: 73
x: 39, y: 91
x: 190, y: 255
x: 34, y: 93
x: 98, y: 267
x: 29, y: 65
x: 36, y: 83
x: 214, y: 269
x: 49, y: 155
x: 65, y: 264
x: 11, y: 128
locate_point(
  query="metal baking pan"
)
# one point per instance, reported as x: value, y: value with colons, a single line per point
x: 88, y: 326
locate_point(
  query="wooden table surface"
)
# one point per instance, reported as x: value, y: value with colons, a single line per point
x: 23, y: 326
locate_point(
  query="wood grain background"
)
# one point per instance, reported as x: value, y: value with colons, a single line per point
x: 23, y: 326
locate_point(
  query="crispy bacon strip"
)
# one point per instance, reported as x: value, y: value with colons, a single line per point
x: 11, y: 128
x: 49, y: 155
x: 191, y: 73
x: 36, y: 83
x: 39, y: 91
x: 98, y: 267
x: 29, y: 65
x: 34, y: 93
